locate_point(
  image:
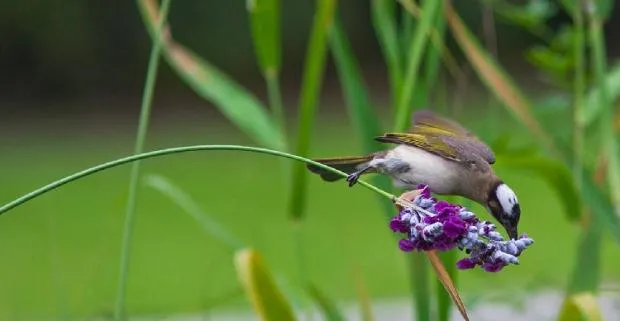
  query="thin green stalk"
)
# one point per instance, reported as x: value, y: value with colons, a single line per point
x: 490, y: 40
x: 169, y: 151
x: 599, y: 61
x: 384, y: 22
x: 408, y: 24
x: 145, y: 110
x: 275, y: 101
x: 579, y: 87
x: 418, y: 267
x: 311, y: 87
x: 416, y: 51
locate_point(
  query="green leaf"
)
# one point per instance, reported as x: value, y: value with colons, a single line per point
x: 494, y: 77
x: 549, y: 60
x: 265, y: 23
x: 359, y: 108
x: 444, y: 302
x: 586, y: 271
x: 384, y: 22
x: 328, y: 307
x: 555, y: 173
x: 235, y: 102
x: 580, y: 307
x: 599, y: 204
x: 311, y: 85
x: 257, y: 281
x: 592, y: 108
x: 184, y: 201
x: 363, y: 297
x: 420, y: 39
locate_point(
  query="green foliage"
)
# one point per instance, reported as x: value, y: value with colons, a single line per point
x: 419, y: 40
x: 586, y: 271
x: 143, y: 122
x: 360, y: 110
x: 235, y: 102
x: 265, y: 23
x: 555, y: 173
x: 328, y: 307
x: 311, y: 85
x: 592, y: 109
x: 384, y: 22
x: 268, y: 301
x: 580, y: 307
x: 184, y: 201
x: 444, y: 302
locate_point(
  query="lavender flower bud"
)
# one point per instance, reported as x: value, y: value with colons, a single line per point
x: 431, y: 232
x: 495, y: 236
x: 466, y: 215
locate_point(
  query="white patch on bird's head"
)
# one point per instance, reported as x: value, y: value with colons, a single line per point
x: 507, y: 198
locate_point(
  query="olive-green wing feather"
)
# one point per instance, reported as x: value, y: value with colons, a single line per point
x: 440, y: 145
x: 428, y: 142
x: 464, y: 142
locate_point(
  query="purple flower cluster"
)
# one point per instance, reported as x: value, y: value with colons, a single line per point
x: 432, y: 225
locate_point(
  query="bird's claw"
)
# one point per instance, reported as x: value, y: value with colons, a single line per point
x: 352, y: 179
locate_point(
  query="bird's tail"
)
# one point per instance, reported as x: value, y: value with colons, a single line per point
x: 344, y: 164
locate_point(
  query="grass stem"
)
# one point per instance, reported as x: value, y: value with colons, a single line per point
x: 145, y: 110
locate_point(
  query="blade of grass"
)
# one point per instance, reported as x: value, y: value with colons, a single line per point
x: 555, y: 173
x: 240, y: 106
x: 435, y: 52
x: 419, y: 276
x: 130, y: 210
x: 444, y: 300
x: 260, y: 287
x: 359, y: 108
x: 184, y: 201
x: 311, y: 85
x: 609, y: 144
x: 384, y: 22
x: 266, y: 35
x: 494, y: 77
x: 363, y: 296
x: 448, y: 283
x: 586, y: 270
x: 580, y: 307
x: 592, y: 108
x: 579, y: 85
x: 417, y: 45
x: 437, y: 37
x: 327, y: 305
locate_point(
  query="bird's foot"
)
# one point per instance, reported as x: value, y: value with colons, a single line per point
x: 352, y: 178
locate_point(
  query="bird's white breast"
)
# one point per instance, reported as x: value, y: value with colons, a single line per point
x: 440, y: 174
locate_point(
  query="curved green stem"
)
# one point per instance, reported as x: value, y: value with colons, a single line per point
x: 175, y: 150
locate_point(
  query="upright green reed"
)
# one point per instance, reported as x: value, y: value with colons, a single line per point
x: 310, y: 90
x: 145, y: 110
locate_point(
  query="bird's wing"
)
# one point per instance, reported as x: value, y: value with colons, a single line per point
x: 464, y: 142
x: 439, y: 145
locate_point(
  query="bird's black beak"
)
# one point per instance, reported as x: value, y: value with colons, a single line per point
x: 512, y: 231
x: 512, y: 223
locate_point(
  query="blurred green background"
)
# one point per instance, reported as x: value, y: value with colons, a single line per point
x: 71, y: 77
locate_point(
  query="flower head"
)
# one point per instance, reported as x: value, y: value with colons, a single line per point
x: 433, y: 225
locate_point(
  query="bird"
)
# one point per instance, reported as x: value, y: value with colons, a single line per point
x: 440, y: 153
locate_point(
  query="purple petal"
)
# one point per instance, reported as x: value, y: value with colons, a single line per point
x: 466, y: 264
x: 426, y: 191
x: 406, y: 245
x: 493, y: 266
x: 398, y: 226
x: 454, y: 227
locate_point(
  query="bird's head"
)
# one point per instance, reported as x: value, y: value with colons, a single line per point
x: 503, y: 204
